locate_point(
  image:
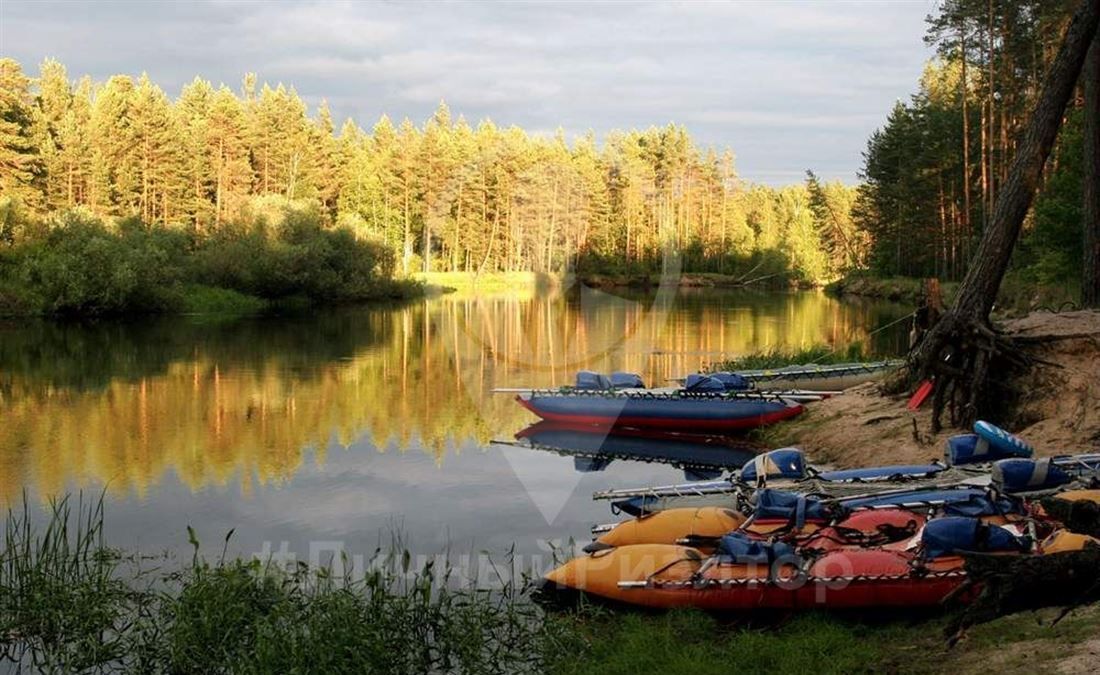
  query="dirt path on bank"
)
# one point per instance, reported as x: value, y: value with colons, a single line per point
x: 1059, y: 414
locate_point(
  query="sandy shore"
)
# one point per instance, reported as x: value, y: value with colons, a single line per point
x: 1059, y: 414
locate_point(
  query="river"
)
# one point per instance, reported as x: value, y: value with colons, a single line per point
x: 338, y: 429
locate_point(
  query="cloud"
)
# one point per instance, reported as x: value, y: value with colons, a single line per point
x: 787, y: 85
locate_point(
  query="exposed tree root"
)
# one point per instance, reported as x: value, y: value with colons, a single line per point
x: 970, y: 363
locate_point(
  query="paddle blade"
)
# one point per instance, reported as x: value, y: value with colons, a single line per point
x: 920, y: 395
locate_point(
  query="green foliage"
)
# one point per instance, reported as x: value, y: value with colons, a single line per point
x: 291, y: 257
x: 694, y: 642
x: 202, y: 299
x: 441, y: 197
x: 69, y: 604
x: 20, y: 160
x: 81, y: 266
x: 1050, y: 251
x: 932, y: 173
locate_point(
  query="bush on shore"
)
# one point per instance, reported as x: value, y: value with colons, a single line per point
x: 80, y: 265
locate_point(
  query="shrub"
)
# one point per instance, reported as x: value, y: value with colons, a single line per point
x: 82, y: 268
x: 75, y: 264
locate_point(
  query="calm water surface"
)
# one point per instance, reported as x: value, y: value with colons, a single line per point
x: 340, y: 426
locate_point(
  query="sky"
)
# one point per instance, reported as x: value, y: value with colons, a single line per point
x: 788, y: 86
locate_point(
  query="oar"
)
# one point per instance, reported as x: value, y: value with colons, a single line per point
x: 920, y: 395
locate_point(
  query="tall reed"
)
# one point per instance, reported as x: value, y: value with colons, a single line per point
x: 69, y: 603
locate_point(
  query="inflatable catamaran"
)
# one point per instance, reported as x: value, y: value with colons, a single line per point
x: 784, y: 549
x: 706, y: 403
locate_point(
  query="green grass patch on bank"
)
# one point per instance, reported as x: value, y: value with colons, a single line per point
x: 199, y: 299
x: 488, y: 282
x: 698, y: 643
x: 777, y: 358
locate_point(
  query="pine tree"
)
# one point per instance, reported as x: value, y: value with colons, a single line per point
x: 20, y: 162
x: 54, y: 101
x: 114, y: 178
x: 324, y: 159
x: 159, y: 154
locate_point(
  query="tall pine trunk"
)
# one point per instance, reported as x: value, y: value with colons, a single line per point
x: 1090, y: 274
x: 966, y: 134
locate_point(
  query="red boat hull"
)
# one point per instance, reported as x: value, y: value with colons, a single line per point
x: 688, y: 424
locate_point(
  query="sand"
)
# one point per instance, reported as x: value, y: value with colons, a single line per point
x: 1060, y: 414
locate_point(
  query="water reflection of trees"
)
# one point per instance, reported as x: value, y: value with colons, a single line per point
x: 217, y: 402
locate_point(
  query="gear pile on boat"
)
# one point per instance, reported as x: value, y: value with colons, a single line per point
x: 703, y: 402
x: 780, y: 534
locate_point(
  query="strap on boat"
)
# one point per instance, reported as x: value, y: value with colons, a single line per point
x: 760, y: 464
x: 649, y: 577
x: 800, y: 512
x: 1039, y: 476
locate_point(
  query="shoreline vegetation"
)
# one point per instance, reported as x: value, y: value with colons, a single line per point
x: 284, y: 259
x: 527, y: 281
x: 214, y: 164
x: 70, y: 603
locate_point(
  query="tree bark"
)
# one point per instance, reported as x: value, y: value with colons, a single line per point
x: 965, y: 328
x: 1090, y: 274
x: 966, y: 134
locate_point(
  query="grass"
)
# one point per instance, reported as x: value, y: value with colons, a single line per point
x: 695, y: 643
x: 777, y: 358
x: 489, y: 282
x: 69, y: 603
x: 62, y: 602
x: 698, y: 643
x: 199, y: 299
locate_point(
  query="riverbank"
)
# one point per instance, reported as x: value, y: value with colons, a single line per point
x: 1017, y: 296
x: 491, y: 282
x: 897, y: 289
x: 692, y: 280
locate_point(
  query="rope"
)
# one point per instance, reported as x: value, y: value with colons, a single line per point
x: 662, y: 396
x: 720, y: 583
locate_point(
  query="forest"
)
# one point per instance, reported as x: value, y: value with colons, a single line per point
x: 215, y: 171
x: 219, y: 196
x: 932, y: 173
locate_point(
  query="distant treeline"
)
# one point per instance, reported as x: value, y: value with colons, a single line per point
x: 442, y: 196
x: 933, y: 172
